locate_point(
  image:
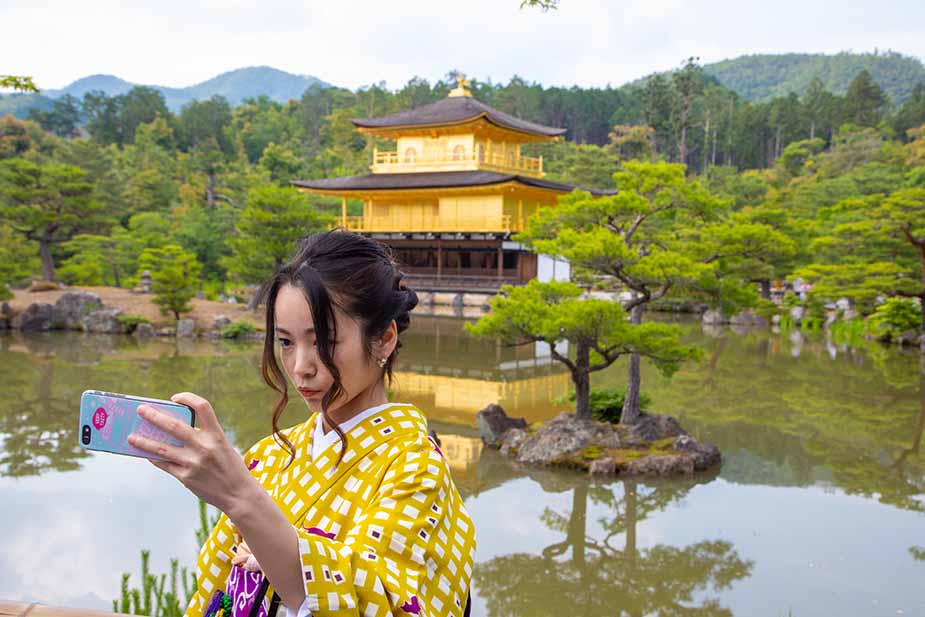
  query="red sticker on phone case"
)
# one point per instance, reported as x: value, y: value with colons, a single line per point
x: 99, y: 418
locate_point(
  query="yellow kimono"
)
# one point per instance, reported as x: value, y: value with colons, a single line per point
x: 384, y: 532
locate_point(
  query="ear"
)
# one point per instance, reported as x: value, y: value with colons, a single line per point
x: 385, y: 344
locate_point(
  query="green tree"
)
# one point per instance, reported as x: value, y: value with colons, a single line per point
x: 688, y: 83
x: 100, y: 260
x: 18, y: 82
x: 556, y: 312
x: 62, y: 119
x: 271, y: 223
x: 874, y: 247
x: 865, y: 102
x: 47, y: 204
x: 174, y: 276
x: 642, y: 241
x: 17, y: 260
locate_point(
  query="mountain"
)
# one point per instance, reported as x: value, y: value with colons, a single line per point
x: 765, y: 76
x: 235, y: 86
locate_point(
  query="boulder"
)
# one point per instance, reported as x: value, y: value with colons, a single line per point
x: 748, y: 318
x: 714, y: 317
x: 654, y: 427
x: 166, y: 331
x: 73, y: 306
x: 660, y: 465
x: 102, y: 321
x: 38, y: 317
x: 796, y: 314
x: 493, y: 423
x: 144, y: 331
x: 603, y: 467
x: 221, y: 322
x: 186, y: 328
x: 566, y: 434
x: 705, y: 455
x: 843, y: 304
x: 512, y: 441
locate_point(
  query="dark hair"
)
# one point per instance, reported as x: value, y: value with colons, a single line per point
x: 347, y: 270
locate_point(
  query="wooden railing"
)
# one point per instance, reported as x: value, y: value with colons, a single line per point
x: 446, y: 160
x: 414, y: 222
x: 22, y: 609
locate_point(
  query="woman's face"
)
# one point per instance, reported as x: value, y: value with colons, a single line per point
x: 360, y: 376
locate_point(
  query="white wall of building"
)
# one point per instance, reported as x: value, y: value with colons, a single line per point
x: 549, y: 268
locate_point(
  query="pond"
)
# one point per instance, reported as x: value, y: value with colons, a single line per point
x: 819, y: 508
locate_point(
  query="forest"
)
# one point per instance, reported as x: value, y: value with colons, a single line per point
x: 95, y: 188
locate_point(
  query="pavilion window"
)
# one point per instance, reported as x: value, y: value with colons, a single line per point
x: 459, y: 153
x: 411, y: 155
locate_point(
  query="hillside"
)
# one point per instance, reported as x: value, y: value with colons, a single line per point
x: 235, y: 86
x: 763, y: 77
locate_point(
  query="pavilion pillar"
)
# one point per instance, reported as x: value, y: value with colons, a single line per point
x: 500, y: 261
x: 520, y: 215
x: 343, y: 212
x: 439, y: 259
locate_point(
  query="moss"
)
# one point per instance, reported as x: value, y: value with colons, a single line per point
x: 590, y: 453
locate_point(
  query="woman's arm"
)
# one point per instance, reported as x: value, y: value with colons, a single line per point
x: 211, y: 468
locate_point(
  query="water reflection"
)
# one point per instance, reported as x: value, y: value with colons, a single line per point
x: 820, y: 440
x: 608, y: 573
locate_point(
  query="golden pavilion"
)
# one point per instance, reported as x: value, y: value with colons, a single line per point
x: 450, y: 196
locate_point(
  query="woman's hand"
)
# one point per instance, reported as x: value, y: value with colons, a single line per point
x: 208, y: 465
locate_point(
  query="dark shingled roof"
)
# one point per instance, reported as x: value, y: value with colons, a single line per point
x: 434, y: 180
x: 456, y: 110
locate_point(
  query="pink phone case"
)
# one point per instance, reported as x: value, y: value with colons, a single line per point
x: 107, y: 419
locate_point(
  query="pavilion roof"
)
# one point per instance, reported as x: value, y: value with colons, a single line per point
x: 434, y: 180
x: 457, y: 110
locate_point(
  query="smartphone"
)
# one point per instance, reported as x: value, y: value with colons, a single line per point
x: 107, y: 419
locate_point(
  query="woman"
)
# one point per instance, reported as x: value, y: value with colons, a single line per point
x: 353, y: 512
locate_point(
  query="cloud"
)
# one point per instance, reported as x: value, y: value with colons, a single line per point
x: 354, y: 42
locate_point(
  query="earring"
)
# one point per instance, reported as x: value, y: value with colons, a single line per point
x: 382, y: 362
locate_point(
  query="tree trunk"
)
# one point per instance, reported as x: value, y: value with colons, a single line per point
x: 706, y: 141
x: 577, y: 523
x: 631, y: 410
x: 629, y: 496
x: 765, y: 289
x: 48, y: 262
x: 582, y: 378
x: 210, y: 191
x: 812, y: 129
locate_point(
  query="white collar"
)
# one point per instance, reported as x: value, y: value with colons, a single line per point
x: 321, y: 441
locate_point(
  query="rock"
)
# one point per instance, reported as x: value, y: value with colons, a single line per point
x: 849, y: 314
x: 474, y: 299
x: 512, y: 441
x: 713, y: 317
x: 102, y: 321
x: 660, y: 465
x: 705, y: 455
x: 6, y: 310
x: 73, y: 306
x: 166, y: 331
x: 221, y: 322
x: 922, y: 343
x: 553, y: 441
x: 144, y: 331
x: 748, y: 318
x: 38, y: 317
x: 493, y: 423
x: 186, y: 328
x: 909, y: 337
x: 843, y: 304
x: 796, y: 314
x: 775, y: 320
x: 566, y: 434
x: 654, y: 427
x: 603, y: 467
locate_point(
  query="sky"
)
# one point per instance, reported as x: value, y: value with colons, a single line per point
x: 352, y: 43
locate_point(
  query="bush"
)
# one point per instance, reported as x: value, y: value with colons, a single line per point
x: 237, y: 330
x: 131, y: 322
x: 606, y: 403
x: 893, y: 317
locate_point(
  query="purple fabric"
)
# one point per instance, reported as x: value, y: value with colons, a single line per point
x: 243, y: 587
x: 215, y: 604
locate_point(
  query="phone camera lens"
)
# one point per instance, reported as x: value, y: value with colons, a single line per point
x: 85, y: 434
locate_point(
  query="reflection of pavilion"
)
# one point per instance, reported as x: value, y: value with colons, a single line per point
x: 453, y: 375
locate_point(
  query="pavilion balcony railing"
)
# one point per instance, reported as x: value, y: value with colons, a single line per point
x: 418, y: 223
x: 446, y: 160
